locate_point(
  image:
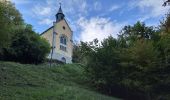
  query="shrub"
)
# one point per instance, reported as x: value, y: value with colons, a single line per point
x: 27, y: 47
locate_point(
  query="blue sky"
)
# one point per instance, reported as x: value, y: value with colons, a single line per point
x: 91, y: 19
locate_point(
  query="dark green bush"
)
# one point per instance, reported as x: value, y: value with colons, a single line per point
x: 27, y: 47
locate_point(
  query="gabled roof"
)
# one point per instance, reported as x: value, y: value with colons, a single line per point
x: 46, y: 30
x: 53, y: 26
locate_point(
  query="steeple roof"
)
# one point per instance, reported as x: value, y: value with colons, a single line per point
x: 60, y: 10
x: 59, y: 15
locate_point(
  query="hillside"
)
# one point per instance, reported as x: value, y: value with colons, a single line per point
x: 40, y: 82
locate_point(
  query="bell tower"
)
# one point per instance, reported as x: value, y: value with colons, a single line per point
x: 59, y: 15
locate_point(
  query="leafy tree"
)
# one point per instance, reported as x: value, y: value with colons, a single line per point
x: 164, y: 70
x: 11, y: 20
x: 77, y: 55
x: 103, y: 64
x: 27, y: 47
x: 165, y: 24
x: 139, y: 66
x: 137, y: 31
x: 164, y: 41
x: 82, y: 51
x: 18, y: 41
x: 130, y: 65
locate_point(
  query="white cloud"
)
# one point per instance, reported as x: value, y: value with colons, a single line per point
x: 99, y: 28
x: 143, y: 18
x: 75, y: 6
x: 84, y: 6
x: 114, y: 7
x: 20, y: 1
x: 41, y: 10
x: 46, y: 22
x: 150, y: 8
x: 97, y: 5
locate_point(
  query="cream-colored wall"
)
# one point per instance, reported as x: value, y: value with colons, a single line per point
x: 48, y: 36
x: 58, y: 28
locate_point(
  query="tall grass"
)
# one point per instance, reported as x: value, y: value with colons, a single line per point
x: 41, y: 82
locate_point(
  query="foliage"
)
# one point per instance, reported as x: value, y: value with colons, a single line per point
x: 11, y: 20
x: 165, y: 24
x: 76, y: 58
x: 18, y: 41
x: 133, y: 66
x: 80, y: 52
x: 137, y: 31
x: 139, y: 67
x: 27, y: 47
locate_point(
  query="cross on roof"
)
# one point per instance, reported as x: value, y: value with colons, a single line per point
x: 60, y: 4
x: 166, y: 3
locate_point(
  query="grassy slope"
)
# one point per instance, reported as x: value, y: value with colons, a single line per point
x: 31, y: 82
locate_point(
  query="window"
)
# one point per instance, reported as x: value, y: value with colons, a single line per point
x: 64, y: 27
x: 63, y: 43
x: 63, y: 48
x: 63, y: 40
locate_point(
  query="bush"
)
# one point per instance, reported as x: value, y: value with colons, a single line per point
x: 27, y: 47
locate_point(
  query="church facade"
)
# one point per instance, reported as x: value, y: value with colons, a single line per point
x: 60, y: 38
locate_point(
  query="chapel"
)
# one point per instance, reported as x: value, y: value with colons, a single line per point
x: 60, y: 38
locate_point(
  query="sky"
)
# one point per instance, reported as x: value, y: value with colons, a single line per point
x: 90, y: 19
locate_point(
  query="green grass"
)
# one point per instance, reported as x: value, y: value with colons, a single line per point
x: 40, y: 82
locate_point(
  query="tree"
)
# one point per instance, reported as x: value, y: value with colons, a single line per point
x: 77, y: 55
x: 137, y: 31
x: 27, y: 47
x: 11, y: 20
x: 139, y: 67
x: 165, y: 24
x: 82, y: 51
x: 18, y: 41
x: 103, y: 64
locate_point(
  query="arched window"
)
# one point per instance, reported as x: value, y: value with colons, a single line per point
x: 63, y: 40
